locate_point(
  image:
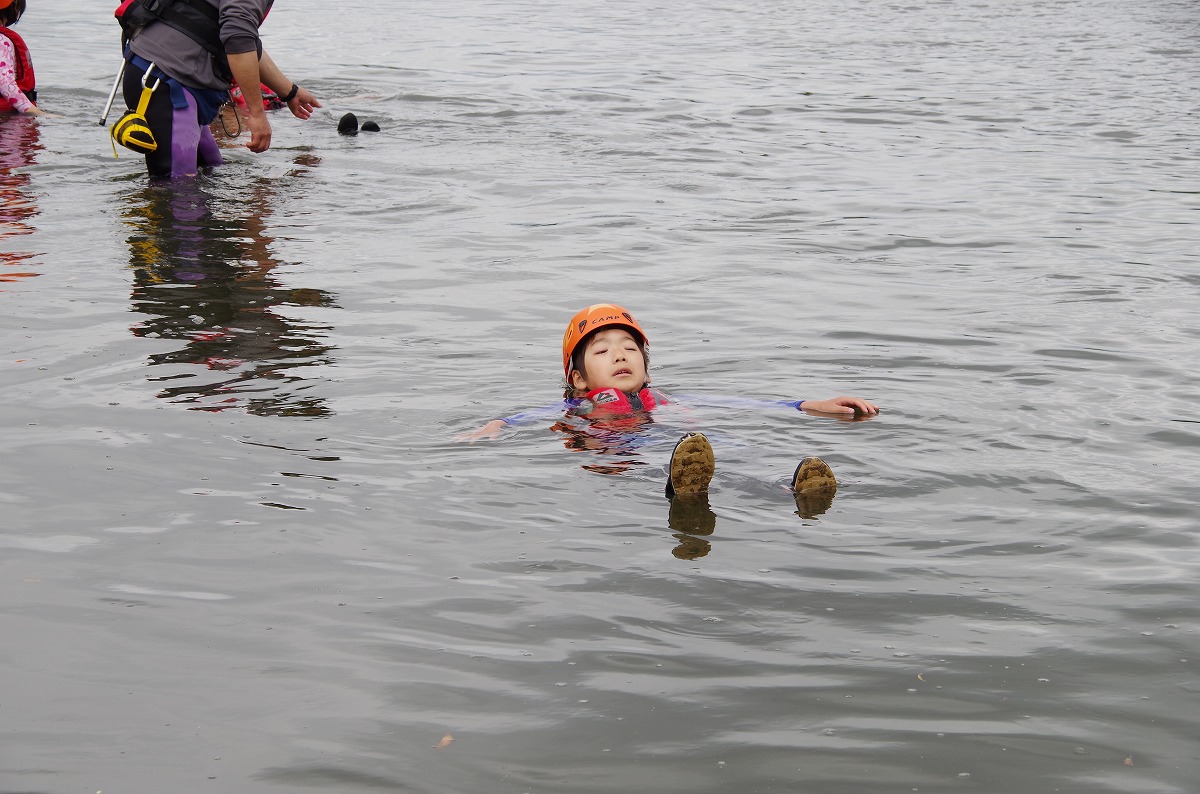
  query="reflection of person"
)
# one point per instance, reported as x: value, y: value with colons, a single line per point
x: 18, y: 149
x: 605, y: 361
x: 198, y: 60
x: 203, y: 275
x: 18, y: 89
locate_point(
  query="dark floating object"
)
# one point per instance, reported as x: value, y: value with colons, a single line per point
x: 348, y: 124
x: 370, y: 126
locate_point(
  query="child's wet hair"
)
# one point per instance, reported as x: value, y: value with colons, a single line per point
x: 581, y: 351
x: 10, y: 15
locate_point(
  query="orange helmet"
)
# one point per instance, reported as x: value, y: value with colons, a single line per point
x: 593, y: 318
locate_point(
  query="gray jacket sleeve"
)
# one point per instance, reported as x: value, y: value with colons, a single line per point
x: 239, y: 20
x: 188, y: 62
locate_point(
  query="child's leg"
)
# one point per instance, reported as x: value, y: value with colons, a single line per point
x: 691, y: 469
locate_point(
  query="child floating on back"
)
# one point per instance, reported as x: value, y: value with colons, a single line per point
x: 606, y: 362
x: 18, y: 89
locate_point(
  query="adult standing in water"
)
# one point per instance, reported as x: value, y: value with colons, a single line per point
x: 187, y: 54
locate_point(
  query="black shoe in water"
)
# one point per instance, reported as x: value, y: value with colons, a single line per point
x: 348, y: 124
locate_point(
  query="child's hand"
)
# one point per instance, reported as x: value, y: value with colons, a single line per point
x: 840, y: 405
x: 489, y: 431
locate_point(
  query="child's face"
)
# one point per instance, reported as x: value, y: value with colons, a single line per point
x: 611, y: 360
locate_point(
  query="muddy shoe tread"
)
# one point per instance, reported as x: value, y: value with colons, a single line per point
x: 692, y: 465
x: 813, y: 475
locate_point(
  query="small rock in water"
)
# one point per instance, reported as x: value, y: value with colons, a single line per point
x: 370, y: 126
x: 348, y: 124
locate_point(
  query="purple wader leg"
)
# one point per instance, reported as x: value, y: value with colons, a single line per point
x: 192, y: 143
x: 209, y: 152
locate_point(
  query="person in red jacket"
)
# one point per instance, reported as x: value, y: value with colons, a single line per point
x: 18, y: 89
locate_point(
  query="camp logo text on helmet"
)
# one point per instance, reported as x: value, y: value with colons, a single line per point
x: 594, y: 318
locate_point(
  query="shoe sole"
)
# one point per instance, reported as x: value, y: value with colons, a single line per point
x: 813, y: 475
x: 692, y: 466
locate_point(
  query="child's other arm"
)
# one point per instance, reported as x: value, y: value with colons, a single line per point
x: 489, y: 431
x: 839, y: 405
x: 493, y: 428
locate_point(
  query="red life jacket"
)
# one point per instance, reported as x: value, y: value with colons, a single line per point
x: 614, y: 402
x: 23, y: 68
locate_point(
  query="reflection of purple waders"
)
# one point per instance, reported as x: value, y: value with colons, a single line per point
x: 192, y: 144
x: 189, y: 209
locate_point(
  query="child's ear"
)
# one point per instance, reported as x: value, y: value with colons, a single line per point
x: 578, y: 382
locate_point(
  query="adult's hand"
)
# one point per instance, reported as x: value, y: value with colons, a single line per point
x: 260, y: 132
x: 303, y: 104
x: 245, y: 68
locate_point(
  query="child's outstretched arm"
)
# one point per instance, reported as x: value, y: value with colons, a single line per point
x: 839, y: 405
x: 489, y: 431
x: 847, y: 407
x: 493, y: 428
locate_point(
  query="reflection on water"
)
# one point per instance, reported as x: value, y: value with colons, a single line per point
x: 622, y: 438
x: 691, y: 519
x: 811, y: 504
x: 625, y: 438
x: 204, y: 273
x: 19, y: 145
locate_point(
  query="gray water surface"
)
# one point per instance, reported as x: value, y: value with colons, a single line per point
x: 240, y: 550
